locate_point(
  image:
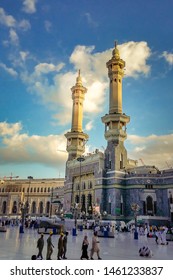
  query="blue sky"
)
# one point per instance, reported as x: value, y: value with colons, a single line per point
x: 43, y: 44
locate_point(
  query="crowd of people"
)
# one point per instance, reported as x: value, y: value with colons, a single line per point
x: 91, y: 248
x: 62, y: 247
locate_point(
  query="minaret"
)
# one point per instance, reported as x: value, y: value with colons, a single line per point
x: 115, y: 122
x: 76, y: 138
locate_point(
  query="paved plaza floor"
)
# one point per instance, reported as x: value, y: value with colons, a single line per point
x: 21, y: 246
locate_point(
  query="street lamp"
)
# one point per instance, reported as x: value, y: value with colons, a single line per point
x: 51, y: 201
x: 27, y: 202
x: 135, y: 207
x: 24, y: 207
x: 80, y: 159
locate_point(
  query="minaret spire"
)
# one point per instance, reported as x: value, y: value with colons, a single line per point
x: 79, y: 79
x: 76, y: 138
x: 115, y: 122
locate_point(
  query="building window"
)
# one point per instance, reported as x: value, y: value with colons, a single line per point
x: 41, y: 207
x: 14, y: 208
x: 121, y: 161
x: 109, y: 208
x: 48, y: 207
x: 33, y: 207
x: 149, y: 202
x: 4, y: 207
x: 83, y: 203
x: 149, y: 186
x: 76, y: 199
x: 38, y: 190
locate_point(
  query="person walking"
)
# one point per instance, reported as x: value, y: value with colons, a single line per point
x: 40, y: 245
x: 85, y: 245
x: 95, y: 246
x: 60, y: 247
x: 65, y: 245
x: 50, y: 246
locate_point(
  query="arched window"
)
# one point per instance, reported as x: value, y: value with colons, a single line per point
x: 4, y: 207
x: 14, y: 208
x: 83, y: 203
x: 33, y: 207
x: 77, y: 199
x: 47, y: 207
x: 149, y: 205
x: 41, y: 189
x: 89, y: 203
x: 38, y: 190
x: 41, y: 207
x: 44, y: 189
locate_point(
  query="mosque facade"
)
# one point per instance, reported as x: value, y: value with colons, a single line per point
x: 109, y: 183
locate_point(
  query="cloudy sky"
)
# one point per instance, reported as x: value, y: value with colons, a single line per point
x: 43, y: 43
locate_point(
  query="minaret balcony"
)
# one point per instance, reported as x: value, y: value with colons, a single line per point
x: 115, y: 118
x: 115, y: 134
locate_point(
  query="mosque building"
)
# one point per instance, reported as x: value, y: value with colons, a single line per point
x: 106, y: 184
x: 109, y: 182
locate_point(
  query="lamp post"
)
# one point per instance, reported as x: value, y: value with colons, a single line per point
x: 135, y: 207
x: 80, y: 159
x: 51, y: 201
x: 24, y: 207
x: 27, y: 202
x: 77, y: 205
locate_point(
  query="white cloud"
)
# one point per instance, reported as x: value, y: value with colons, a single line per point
x: 135, y: 55
x: 168, y: 57
x: 48, y: 25
x: 47, y: 68
x: 9, y: 70
x: 92, y: 23
x: 24, y: 25
x: 24, y: 55
x: 89, y: 126
x: 153, y: 149
x: 7, y: 20
x: 13, y: 37
x: 29, y: 6
x: 19, y: 147
x: 9, y: 129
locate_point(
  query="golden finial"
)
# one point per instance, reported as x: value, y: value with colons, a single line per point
x: 115, y: 51
x: 78, y: 79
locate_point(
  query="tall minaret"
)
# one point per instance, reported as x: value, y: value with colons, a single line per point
x: 115, y: 122
x: 76, y: 138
